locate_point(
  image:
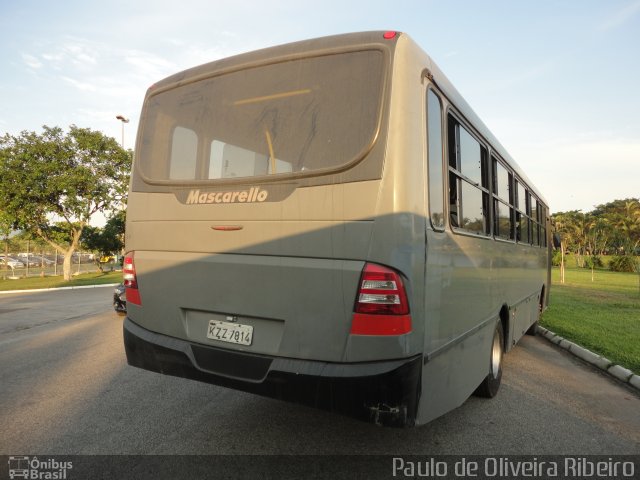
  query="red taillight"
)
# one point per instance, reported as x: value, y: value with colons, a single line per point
x: 381, y: 292
x: 390, y: 35
x: 381, y: 306
x: 130, y: 280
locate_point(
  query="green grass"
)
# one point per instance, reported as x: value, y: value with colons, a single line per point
x: 602, y: 316
x: 95, y: 278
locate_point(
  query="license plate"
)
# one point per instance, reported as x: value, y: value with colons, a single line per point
x: 230, y: 332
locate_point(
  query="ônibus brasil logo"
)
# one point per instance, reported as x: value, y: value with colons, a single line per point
x: 253, y: 195
x: 35, y: 469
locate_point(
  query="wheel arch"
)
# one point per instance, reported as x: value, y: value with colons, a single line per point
x: 504, y: 317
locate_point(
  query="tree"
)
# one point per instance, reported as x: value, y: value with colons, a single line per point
x: 600, y: 233
x: 5, y: 231
x: 623, y: 217
x: 52, y: 183
x: 629, y: 224
x: 567, y: 224
x: 107, y: 240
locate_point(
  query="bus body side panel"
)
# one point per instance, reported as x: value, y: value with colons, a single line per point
x: 522, y: 275
x: 460, y: 320
x: 467, y: 279
x: 464, y: 296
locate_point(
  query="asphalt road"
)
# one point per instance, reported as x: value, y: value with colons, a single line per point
x: 65, y: 389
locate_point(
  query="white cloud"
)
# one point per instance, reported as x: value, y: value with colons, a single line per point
x: 146, y: 64
x: 98, y: 67
x: 31, y: 61
x: 53, y: 58
x: 80, y: 85
x: 71, y: 52
x: 80, y: 56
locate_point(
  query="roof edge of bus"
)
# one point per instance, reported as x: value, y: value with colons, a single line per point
x: 282, y: 50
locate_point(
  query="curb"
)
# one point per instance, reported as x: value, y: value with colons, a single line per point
x: 59, y: 288
x: 604, y: 364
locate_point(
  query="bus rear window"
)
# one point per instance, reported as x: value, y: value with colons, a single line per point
x: 307, y: 115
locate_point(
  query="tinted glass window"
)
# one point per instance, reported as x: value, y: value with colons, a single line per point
x: 184, y: 148
x: 231, y: 161
x: 522, y: 228
x: 298, y: 116
x: 503, y: 220
x: 434, y: 137
x: 454, y: 210
x: 470, y: 157
x: 468, y: 181
x: 502, y: 182
x: 543, y: 223
x: 473, y: 215
x: 521, y: 201
x: 534, y: 209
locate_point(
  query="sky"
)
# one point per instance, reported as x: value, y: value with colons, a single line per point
x: 557, y: 82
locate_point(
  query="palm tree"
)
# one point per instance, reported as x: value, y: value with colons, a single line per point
x: 567, y: 225
x: 629, y: 224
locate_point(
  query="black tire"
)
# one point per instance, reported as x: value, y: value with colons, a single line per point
x: 533, y: 329
x: 491, y: 384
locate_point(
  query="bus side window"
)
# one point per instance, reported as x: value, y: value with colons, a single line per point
x: 468, y: 181
x: 454, y: 206
x: 434, y: 152
x: 504, y: 216
x: 522, y: 219
x: 530, y: 221
x: 543, y: 226
x: 536, y: 221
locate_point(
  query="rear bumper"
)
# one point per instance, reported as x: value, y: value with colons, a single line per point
x: 385, y: 393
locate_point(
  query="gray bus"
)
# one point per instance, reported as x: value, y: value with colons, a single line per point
x: 328, y: 222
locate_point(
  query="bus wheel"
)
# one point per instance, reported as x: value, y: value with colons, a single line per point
x: 490, y: 385
x: 533, y: 329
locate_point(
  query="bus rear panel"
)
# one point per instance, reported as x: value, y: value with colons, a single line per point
x: 279, y: 240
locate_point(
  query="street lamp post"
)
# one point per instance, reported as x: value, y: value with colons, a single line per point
x: 123, y: 120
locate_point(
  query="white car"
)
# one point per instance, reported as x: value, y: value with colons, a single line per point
x: 35, y: 260
x: 12, y: 262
